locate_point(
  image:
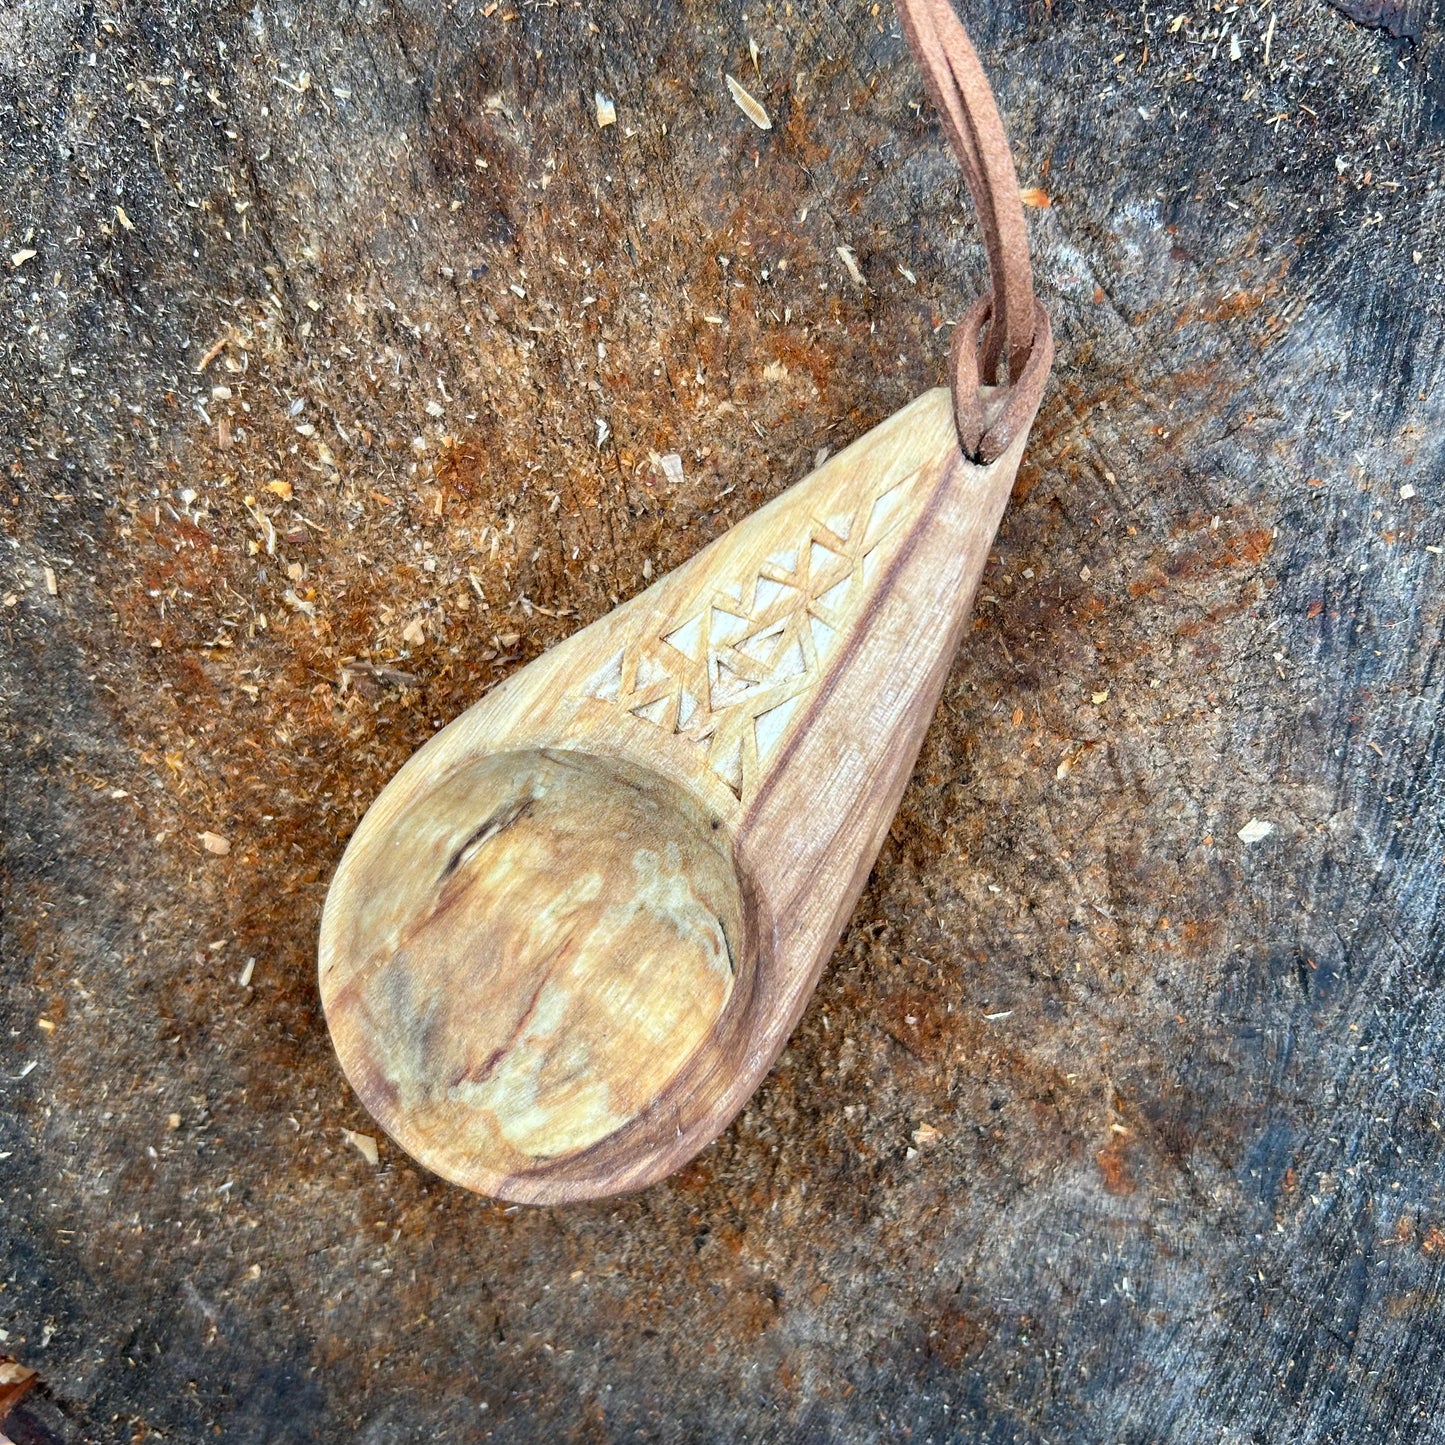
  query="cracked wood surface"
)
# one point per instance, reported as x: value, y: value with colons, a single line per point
x: 351, y: 365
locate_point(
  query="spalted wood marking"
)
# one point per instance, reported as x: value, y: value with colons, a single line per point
x: 1181, y: 1175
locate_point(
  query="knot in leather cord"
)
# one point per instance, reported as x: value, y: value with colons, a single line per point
x: 1004, y: 340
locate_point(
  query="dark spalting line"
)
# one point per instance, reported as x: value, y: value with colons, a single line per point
x: 380, y: 1095
x: 484, y: 833
x: 481, y: 1075
x: 450, y: 893
x: 728, y: 943
x: 446, y: 899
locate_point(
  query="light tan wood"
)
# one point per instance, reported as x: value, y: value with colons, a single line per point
x: 573, y: 933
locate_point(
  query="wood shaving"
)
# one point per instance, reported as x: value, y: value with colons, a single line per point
x: 849, y: 257
x: 265, y: 525
x: 606, y: 111
x: 15, y: 1380
x: 215, y: 843
x: 364, y: 1144
x: 1255, y: 831
x: 369, y: 678
x: 212, y: 352
x: 1066, y: 763
x: 749, y: 105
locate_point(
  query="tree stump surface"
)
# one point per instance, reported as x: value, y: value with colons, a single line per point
x: 344, y: 360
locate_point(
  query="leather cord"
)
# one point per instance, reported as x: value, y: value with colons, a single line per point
x: 1004, y: 341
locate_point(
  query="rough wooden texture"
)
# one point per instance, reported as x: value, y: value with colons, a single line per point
x: 1103, y: 1124
x: 494, y: 957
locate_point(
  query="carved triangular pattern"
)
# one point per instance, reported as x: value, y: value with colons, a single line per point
x: 730, y: 672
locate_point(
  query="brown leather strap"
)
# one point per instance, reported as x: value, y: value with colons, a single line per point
x: 1017, y: 326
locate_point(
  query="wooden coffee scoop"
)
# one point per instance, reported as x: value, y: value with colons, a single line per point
x: 573, y: 933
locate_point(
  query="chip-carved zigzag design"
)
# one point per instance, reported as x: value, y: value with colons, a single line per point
x: 729, y: 674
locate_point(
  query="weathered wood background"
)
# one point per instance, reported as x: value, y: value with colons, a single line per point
x: 348, y: 337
